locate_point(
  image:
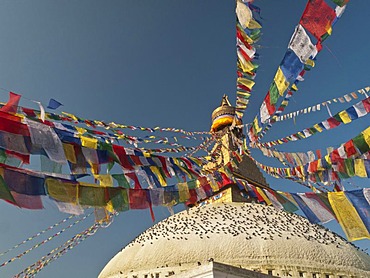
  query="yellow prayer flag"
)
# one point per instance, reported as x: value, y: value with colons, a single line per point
x: 105, y: 180
x: 366, y: 134
x: 319, y: 166
x: 310, y: 62
x: 252, y: 24
x: 184, y: 194
x: 288, y: 172
x: 280, y: 81
x: 62, y: 191
x: 69, y: 152
x: 243, y: 94
x: 318, y: 128
x: 267, y: 200
x: 81, y: 130
x: 360, y: 169
x: 256, y: 126
x: 345, y: 117
x: 87, y: 142
x: 156, y: 171
x: 71, y: 116
x: 246, y: 66
x: 246, y: 82
x: 214, y: 185
x: 347, y: 216
x: 294, y: 87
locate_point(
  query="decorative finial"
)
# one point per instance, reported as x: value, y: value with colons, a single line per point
x: 225, y: 101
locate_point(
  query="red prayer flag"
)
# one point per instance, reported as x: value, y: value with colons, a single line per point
x: 333, y: 122
x: 12, y: 105
x: 122, y: 156
x: 366, y: 103
x: 334, y: 156
x: 12, y: 124
x: 317, y: 18
x: 350, y: 148
x: 27, y: 201
x: 140, y: 199
x: 133, y: 176
x: 270, y: 107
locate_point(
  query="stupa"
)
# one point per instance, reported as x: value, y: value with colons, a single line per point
x: 232, y: 236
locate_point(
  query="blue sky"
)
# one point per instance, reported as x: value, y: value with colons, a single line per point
x: 160, y: 63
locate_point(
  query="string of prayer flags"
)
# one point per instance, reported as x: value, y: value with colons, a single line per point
x: 247, y: 33
x: 346, y: 98
x: 346, y: 116
x: 59, y: 251
x: 297, y: 60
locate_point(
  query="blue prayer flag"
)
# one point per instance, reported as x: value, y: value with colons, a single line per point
x: 53, y: 104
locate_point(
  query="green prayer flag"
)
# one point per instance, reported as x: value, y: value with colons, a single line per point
x: 92, y: 196
x: 340, y: 3
x: 118, y: 198
x: 5, y: 192
x: 360, y: 143
x: 121, y: 179
x: 192, y: 184
x: 108, y: 147
x: 274, y: 93
x: 349, y: 167
x: 2, y: 156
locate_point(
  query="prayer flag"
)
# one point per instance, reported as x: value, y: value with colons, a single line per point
x: 361, y: 205
x: 317, y: 207
x: 139, y: 198
x: 5, y: 192
x: 344, y: 117
x: 12, y: 105
x: 305, y: 209
x: 27, y: 201
x: 24, y: 183
x: 44, y: 136
x: 340, y: 3
x: 53, y: 104
x: 301, y: 44
x: 360, y: 109
x: 263, y: 195
x: 273, y: 200
x: 280, y: 81
x: 291, y: 66
x: 360, y: 143
x: 118, y: 198
x: 63, y: 191
x: 184, y: 194
x: 360, y: 169
x: 350, y: 148
x: 347, y: 216
x: 317, y: 18
x: 90, y: 195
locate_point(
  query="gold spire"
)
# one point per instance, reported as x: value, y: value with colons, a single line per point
x: 223, y: 115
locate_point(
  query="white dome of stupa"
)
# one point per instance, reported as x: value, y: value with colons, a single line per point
x: 249, y: 236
